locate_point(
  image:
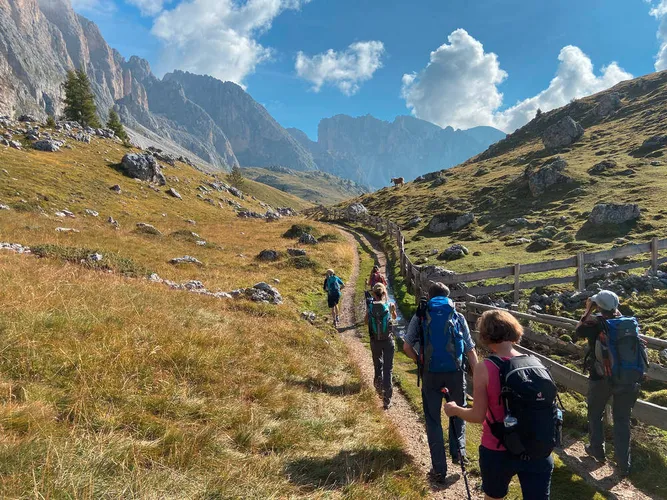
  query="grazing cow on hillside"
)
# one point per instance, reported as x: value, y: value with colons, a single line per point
x: 398, y: 181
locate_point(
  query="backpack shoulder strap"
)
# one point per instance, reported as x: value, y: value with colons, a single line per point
x: 496, y: 360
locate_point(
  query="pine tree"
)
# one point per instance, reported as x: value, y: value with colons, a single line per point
x: 50, y: 122
x: 79, y: 99
x: 236, y: 178
x: 115, y: 125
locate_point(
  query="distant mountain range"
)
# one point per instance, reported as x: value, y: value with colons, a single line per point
x: 40, y: 40
x: 371, y: 151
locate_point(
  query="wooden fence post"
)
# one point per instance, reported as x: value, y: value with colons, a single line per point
x: 517, y: 283
x: 654, y: 255
x: 581, y: 272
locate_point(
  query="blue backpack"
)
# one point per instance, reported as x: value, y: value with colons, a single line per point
x: 443, y: 340
x: 332, y: 284
x: 620, y: 354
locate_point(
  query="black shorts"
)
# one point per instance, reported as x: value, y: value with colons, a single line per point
x: 499, y: 467
x: 333, y: 299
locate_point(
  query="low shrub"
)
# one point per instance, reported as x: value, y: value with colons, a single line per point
x: 297, y: 230
x: 84, y: 256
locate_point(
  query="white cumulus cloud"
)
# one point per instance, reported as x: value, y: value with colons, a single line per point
x: 660, y: 13
x: 218, y: 37
x: 459, y: 86
x: 147, y: 7
x: 346, y: 70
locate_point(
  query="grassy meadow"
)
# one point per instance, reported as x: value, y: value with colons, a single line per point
x: 113, y: 386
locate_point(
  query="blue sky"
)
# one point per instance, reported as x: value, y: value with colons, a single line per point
x: 381, y: 62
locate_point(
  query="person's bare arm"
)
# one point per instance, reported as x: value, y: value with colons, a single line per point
x: 409, y: 351
x: 392, y: 308
x: 477, y: 413
x: 473, y: 360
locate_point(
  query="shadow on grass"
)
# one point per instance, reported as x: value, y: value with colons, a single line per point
x: 314, y: 385
x: 345, y: 468
x: 604, y: 233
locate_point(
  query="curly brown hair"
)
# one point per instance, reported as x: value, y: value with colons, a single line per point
x: 499, y: 326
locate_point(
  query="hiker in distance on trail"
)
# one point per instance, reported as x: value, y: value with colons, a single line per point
x: 376, y: 277
x: 444, y: 338
x: 333, y: 285
x: 380, y: 318
x: 516, y: 400
x: 617, y: 362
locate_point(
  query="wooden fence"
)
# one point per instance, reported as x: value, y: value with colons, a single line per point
x: 411, y: 272
x: 646, y: 412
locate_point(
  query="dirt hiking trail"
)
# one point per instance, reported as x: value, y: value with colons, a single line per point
x: 410, y: 424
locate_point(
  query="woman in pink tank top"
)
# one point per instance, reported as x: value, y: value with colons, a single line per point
x: 499, y: 331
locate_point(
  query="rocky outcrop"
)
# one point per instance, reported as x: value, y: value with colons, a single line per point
x: 547, y: 176
x: 356, y: 210
x: 563, y: 133
x: 607, y: 105
x: 454, y: 252
x: 602, y: 167
x: 611, y: 213
x: 144, y: 167
x: 450, y: 221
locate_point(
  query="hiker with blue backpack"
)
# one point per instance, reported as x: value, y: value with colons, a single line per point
x: 617, y: 362
x: 444, y: 340
x: 333, y: 285
x: 380, y: 318
x: 516, y: 401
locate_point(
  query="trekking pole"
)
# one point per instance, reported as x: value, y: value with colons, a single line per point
x: 452, y: 422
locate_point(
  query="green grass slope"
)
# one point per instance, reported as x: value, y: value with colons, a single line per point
x: 494, y: 186
x: 112, y: 386
x: 316, y: 187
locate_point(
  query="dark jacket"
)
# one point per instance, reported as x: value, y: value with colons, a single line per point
x: 590, y: 330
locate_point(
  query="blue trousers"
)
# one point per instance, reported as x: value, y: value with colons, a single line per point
x: 432, y: 401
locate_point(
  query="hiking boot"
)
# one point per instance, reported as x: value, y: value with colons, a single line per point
x: 595, y: 454
x: 387, y: 404
x: 440, y: 479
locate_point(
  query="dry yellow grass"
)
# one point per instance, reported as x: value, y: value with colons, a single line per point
x: 117, y: 387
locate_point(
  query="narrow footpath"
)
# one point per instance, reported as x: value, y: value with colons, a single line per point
x: 411, y: 426
x: 406, y: 420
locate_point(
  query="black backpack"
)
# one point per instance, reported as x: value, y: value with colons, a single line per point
x: 533, y: 422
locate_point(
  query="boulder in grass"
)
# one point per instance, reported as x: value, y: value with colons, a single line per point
x: 296, y: 252
x: 611, y: 213
x: 268, y: 255
x: 48, y: 145
x: 540, y: 245
x: 174, y: 193
x: 263, y: 292
x: 549, y: 175
x: 143, y: 167
x: 454, y: 252
x: 144, y: 228
x: 308, y: 239
x: 186, y: 259
x: 356, y: 210
x: 450, y: 221
x: 564, y: 133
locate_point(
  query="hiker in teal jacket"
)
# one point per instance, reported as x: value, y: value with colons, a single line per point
x: 333, y: 285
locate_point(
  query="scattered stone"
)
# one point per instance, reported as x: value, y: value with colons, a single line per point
x: 607, y: 105
x: 308, y: 239
x: 15, y: 248
x: 355, y: 210
x: 200, y: 243
x: 655, y: 142
x: 663, y: 355
x: 518, y: 242
x: 143, y: 166
x: 15, y: 145
x: 190, y: 221
x: 67, y: 230
x: 296, y: 252
x: 268, y: 255
x: 481, y: 172
x: 48, y: 145
x: 27, y: 118
x: 549, y: 175
x: 657, y: 164
x: 540, y: 245
x: 450, y: 221
x: 561, y: 134
x: 174, y: 193
x: 186, y: 259
x: 311, y: 316
x: 611, y: 213
x: 236, y: 192
x: 454, y: 252
x: 477, y: 254
x: 4, y: 207
x: 602, y: 167
x: 113, y: 222
x: 413, y: 223
x: 263, y: 292
x: 95, y: 257
x: 92, y: 213
x: 518, y: 222
x: 144, y: 228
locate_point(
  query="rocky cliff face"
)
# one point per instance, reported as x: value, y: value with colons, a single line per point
x: 40, y: 40
x: 371, y: 151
